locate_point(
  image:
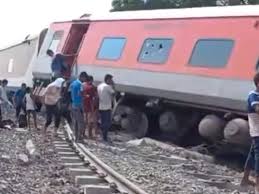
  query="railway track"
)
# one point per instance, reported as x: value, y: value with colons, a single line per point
x: 90, y: 173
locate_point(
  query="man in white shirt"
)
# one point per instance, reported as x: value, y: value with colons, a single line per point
x: 106, y: 93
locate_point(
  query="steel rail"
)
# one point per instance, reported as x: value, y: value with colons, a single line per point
x: 117, y: 181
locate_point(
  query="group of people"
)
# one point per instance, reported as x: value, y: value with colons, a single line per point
x: 22, y: 101
x: 80, y: 102
x: 86, y: 102
x: 85, y: 106
x: 93, y: 102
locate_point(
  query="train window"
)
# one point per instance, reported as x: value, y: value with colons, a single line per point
x: 111, y: 48
x: 211, y: 53
x: 155, y: 50
x: 10, y: 66
x: 56, y: 40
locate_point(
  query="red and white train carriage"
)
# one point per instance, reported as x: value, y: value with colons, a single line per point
x: 194, y: 61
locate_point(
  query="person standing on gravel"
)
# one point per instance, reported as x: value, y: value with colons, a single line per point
x: 4, y: 101
x: 76, y: 89
x: 30, y: 108
x: 91, y: 106
x: 18, y: 100
x: 52, y: 96
x: 65, y: 101
x: 252, y: 162
x: 106, y: 93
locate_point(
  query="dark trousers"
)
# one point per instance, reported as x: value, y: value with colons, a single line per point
x: 106, y: 122
x: 52, y: 110
x: 18, y: 108
x: 67, y: 116
x: 1, y: 117
x: 252, y: 161
x: 78, y: 122
x: 38, y: 106
x: 66, y: 113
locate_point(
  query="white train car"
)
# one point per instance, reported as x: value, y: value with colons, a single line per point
x: 16, y: 61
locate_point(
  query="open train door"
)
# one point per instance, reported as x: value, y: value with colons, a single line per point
x: 41, y: 67
x: 72, y: 46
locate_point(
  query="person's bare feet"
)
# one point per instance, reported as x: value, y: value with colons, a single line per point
x: 247, y: 182
x: 45, y: 138
x: 44, y: 130
x: 55, y: 135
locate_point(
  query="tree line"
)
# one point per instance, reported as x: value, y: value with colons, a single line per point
x: 123, y: 5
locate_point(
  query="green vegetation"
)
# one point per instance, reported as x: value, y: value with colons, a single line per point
x: 123, y: 5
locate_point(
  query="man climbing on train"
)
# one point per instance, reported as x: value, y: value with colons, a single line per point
x: 252, y: 162
x: 58, y: 66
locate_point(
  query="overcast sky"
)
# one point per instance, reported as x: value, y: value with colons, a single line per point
x: 18, y: 18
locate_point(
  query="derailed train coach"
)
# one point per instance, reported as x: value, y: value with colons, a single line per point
x: 178, y: 71
x: 17, y: 60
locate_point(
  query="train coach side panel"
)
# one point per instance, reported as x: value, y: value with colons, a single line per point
x: 14, y: 61
x: 176, y: 79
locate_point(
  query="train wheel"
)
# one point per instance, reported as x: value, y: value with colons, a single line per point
x: 135, y: 122
x: 237, y: 131
x: 211, y: 128
x: 119, y: 113
x: 168, y: 122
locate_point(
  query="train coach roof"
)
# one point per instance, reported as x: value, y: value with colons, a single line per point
x: 29, y: 38
x: 226, y: 11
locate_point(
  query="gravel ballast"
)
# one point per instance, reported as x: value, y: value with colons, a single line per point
x: 40, y: 173
x: 160, y: 171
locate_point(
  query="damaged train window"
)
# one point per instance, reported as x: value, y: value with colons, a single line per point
x: 111, y: 48
x: 155, y: 50
x: 213, y: 53
x: 56, y: 40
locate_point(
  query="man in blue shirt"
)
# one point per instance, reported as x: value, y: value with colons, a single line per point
x: 252, y: 162
x: 58, y: 66
x: 18, y: 100
x: 76, y: 89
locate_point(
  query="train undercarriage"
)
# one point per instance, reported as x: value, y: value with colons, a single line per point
x: 208, y: 131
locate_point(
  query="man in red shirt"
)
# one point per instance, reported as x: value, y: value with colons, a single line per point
x: 90, y: 105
